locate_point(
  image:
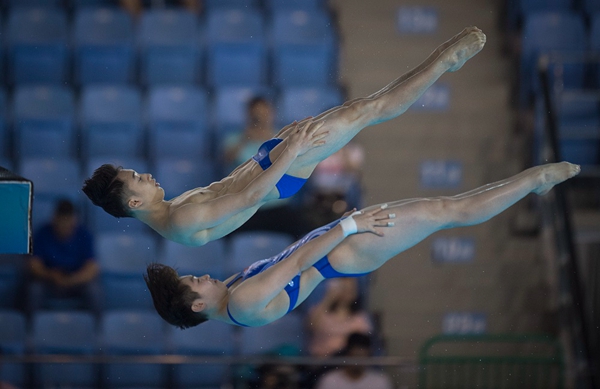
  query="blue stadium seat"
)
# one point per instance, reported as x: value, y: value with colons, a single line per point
x: 210, y: 258
x: 7, y: 164
x: 530, y: 7
x: 13, y: 341
x: 237, y: 52
x: 122, y: 259
x: 33, y: 3
x: 304, y: 48
x: 579, y: 121
x: 210, y: 338
x: 104, y: 48
x: 177, y: 175
x: 125, y: 254
x: 9, y: 287
x: 284, y: 336
x: 37, y: 41
x: 133, y: 333
x: 44, y: 121
x: 591, y: 7
x: 111, y: 121
x: 248, y: 247
x: 178, y: 122
x: 53, y: 178
x: 595, y: 48
x: 65, y: 332
x: 92, y: 3
x: 211, y: 4
x: 274, y: 5
x: 4, y: 135
x: 170, y: 52
x: 551, y: 32
x: 299, y: 103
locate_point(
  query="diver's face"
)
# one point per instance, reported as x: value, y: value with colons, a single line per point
x: 210, y: 290
x: 141, y: 187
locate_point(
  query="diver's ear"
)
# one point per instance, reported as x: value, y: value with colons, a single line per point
x: 198, y: 306
x: 134, y: 202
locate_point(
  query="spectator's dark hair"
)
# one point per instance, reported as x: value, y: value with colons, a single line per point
x: 172, y: 299
x: 106, y: 191
x: 358, y: 340
x: 65, y: 208
x: 257, y: 100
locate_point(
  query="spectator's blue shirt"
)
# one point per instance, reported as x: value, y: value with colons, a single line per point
x: 68, y: 256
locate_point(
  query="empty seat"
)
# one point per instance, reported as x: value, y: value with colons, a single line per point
x: 170, y: 49
x: 210, y: 258
x: 53, y: 178
x: 33, y: 3
x: 37, y: 41
x: 579, y: 121
x: 4, y: 135
x: 123, y: 258
x: 178, y: 123
x: 299, y: 103
x: 104, y: 49
x: 13, y: 338
x: 529, y: 7
x: 133, y: 333
x: 591, y: 7
x: 236, y: 47
x: 177, y: 175
x: 595, y: 48
x: 304, y: 48
x: 125, y: 254
x: 284, y: 336
x: 9, y: 287
x: 211, y: 4
x: 548, y: 32
x: 66, y: 332
x: 249, y: 247
x: 6, y: 163
x: 111, y: 121
x: 274, y: 5
x: 44, y: 121
x: 211, y: 338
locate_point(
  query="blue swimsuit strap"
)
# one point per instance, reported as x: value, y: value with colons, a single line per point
x: 233, y: 320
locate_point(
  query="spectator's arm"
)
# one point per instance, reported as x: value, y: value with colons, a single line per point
x: 41, y: 271
x: 87, y: 273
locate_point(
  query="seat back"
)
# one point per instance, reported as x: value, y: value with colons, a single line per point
x: 210, y: 258
x: 284, y: 336
x: 249, y: 247
x: 44, y: 121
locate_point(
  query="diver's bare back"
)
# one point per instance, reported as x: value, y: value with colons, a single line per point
x: 190, y: 234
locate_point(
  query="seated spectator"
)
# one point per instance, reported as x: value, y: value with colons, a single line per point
x: 335, y: 317
x: 240, y: 147
x: 63, y: 264
x: 355, y: 376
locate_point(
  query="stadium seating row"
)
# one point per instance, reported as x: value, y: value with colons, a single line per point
x: 48, y: 121
x: 565, y: 36
x: 130, y: 333
x: 230, y: 46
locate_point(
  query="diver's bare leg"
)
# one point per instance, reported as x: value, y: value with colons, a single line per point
x: 417, y: 219
x: 344, y: 122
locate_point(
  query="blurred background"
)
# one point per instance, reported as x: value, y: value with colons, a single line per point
x: 187, y: 89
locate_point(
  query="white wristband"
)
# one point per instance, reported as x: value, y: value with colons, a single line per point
x: 348, y: 226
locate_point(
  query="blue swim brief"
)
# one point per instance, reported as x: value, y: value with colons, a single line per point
x: 287, y: 185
